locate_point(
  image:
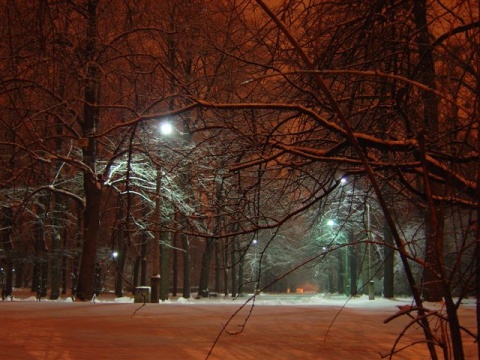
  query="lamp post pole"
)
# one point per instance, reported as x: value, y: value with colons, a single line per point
x: 256, y: 266
x: 155, y: 279
x: 165, y: 129
x: 342, y: 281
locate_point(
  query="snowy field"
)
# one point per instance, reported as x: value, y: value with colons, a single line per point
x: 276, y: 327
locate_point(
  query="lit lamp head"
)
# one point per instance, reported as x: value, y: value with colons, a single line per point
x: 166, y: 128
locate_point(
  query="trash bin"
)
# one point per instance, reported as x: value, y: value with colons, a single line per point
x: 142, y: 294
x: 371, y: 290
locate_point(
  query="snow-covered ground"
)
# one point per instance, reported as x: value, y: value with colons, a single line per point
x: 293, y: 326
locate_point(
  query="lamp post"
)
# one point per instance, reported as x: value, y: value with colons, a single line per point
x: 342, y: 281
x: 165, y: 130
x: 254, y: 244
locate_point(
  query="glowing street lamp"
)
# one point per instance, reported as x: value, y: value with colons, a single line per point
x: 166, y: 128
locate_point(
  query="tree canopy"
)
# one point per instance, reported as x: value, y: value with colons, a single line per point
x: 285, y: 115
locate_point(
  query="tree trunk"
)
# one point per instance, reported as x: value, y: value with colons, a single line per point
x: 341, y: 270
x: 432, y: 283
x: 78, y: 244
x: 425, y: 73
x: 436, y: 284
x: 143, y: 263
x: 175, y: 266
x: 233, y: 268
x: 176, y: 241
x: 55, y: 264
x: 64, y: 262
x: 40, y: 272
x: 186, y: 260
x: 142, y: 258
x: 226, y: 252
x: 241, y: 265
x: 86, y: 278
x: 353, y: 265
x: 7, y: 215
x: 205, y: 269
x: 165, y: 249
x: 19, y: 274
x: 218, y: 267
x: 388, y: 265
x: 92, y: 184
x: 136, y: 272
x: 58, y: 262
x: 121, y: 253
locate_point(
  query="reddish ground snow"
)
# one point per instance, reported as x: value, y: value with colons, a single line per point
x: 279, y: 327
